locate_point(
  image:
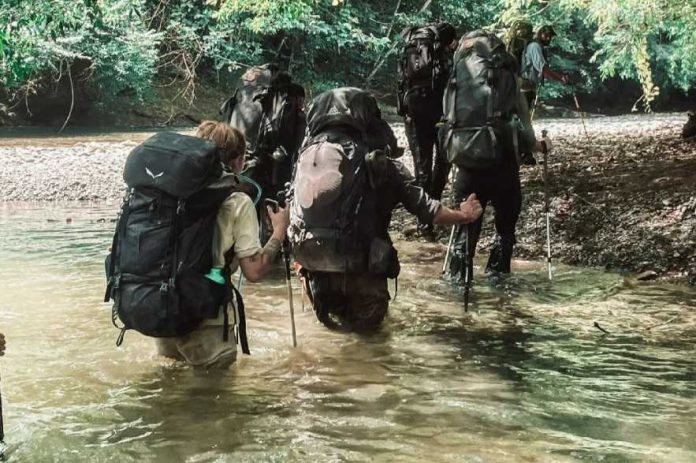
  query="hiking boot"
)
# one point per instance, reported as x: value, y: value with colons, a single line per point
x: 689, y: 129
x: 500, y: 256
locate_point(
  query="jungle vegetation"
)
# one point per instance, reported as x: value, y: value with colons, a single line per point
x: 124, y: 47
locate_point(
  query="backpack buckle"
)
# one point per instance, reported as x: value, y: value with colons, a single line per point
x: 180, y: 207
x: 164, y: 288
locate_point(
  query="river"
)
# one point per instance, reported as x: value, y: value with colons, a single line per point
x: 524, y: 376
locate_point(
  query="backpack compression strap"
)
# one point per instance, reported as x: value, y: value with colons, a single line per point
x: 239, y: 304
x: 114, y: 283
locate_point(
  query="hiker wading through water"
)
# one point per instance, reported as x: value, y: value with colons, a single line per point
x: 487, y: 126
x: 423, y: 71
x: 345, y: 187
x: 185, y: 226
x: 235, y: 244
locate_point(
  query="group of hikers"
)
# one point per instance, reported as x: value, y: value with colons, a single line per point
x: 322, y: 186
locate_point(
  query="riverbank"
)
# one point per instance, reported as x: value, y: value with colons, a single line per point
x: 622, y: 198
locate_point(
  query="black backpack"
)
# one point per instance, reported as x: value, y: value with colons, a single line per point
x: 422, y: 66
x: 266, y: 108
x: 162, y: 246
x: 480, y: 103
x: 330, y: 181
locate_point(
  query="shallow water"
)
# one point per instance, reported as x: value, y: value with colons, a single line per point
x: 524, y: 376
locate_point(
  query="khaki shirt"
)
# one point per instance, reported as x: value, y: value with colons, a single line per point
x: 238, y: 226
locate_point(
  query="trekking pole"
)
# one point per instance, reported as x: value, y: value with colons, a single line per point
x: 449, y: 249
x: 547, y: 211
x: 534, y: 106
x: 282, y: 200
x: 288, y: 282
x: 448, y: 254
x: 469, y: 267
x: 582, y: 116
x: 302, y: 294
x: 536, y: 100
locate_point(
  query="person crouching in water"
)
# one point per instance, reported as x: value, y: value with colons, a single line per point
x: 345, y: 187
x: 235, y: 241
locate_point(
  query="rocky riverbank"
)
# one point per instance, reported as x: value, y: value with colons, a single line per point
x: 623, y: 196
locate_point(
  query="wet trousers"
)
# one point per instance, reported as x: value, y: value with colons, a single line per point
x: 501, y: 188
x: 203, y: 347
x: 352, y: 302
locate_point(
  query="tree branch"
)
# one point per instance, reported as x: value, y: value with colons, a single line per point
x: 72, y: 97
x: 382, y: 60
x: 384, y: 57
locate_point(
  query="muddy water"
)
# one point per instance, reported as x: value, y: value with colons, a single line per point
x: 524, y: 376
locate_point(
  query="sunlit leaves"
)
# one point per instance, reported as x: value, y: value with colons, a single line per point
x: 647, y: 40
x: 40, y: 37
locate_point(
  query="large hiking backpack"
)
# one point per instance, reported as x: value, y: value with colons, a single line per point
x: 329, y: 185
x: 162, y: 246
x: 517, y: 38
x: 266, y: 108
x: 480, y: 102
x: 422, y: 65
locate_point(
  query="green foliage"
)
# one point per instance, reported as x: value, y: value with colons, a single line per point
x: 332, y: 43
x: 651, y: 41
x: 121, y: 45
x: 41, y: 37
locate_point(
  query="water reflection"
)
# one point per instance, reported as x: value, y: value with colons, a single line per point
x: 524, y: 376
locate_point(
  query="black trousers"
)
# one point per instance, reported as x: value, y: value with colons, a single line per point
x: 422, y: 134
x: 501, y: 188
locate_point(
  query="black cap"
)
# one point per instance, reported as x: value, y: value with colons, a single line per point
x: 547, y: 29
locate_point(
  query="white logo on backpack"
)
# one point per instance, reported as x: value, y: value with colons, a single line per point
x: 154, y: 177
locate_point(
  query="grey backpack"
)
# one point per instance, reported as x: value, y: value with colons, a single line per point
x: 480, y: 102
x: 333, y: 192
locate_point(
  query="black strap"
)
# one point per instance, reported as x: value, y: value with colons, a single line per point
x: 243, y: 340
x: 239, y: 303
x: 170, y: 285
x: 119, y: 339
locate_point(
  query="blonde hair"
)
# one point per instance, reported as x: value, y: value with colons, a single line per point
x: 230, y: 141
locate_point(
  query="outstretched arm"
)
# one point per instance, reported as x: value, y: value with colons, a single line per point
x: 469, y: 211
x: 553, y: 75
x: 257, y: 266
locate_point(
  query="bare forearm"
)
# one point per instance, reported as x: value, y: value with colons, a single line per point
x: 447, y: 216
x: 257, y: 266
x: 553, y: 75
